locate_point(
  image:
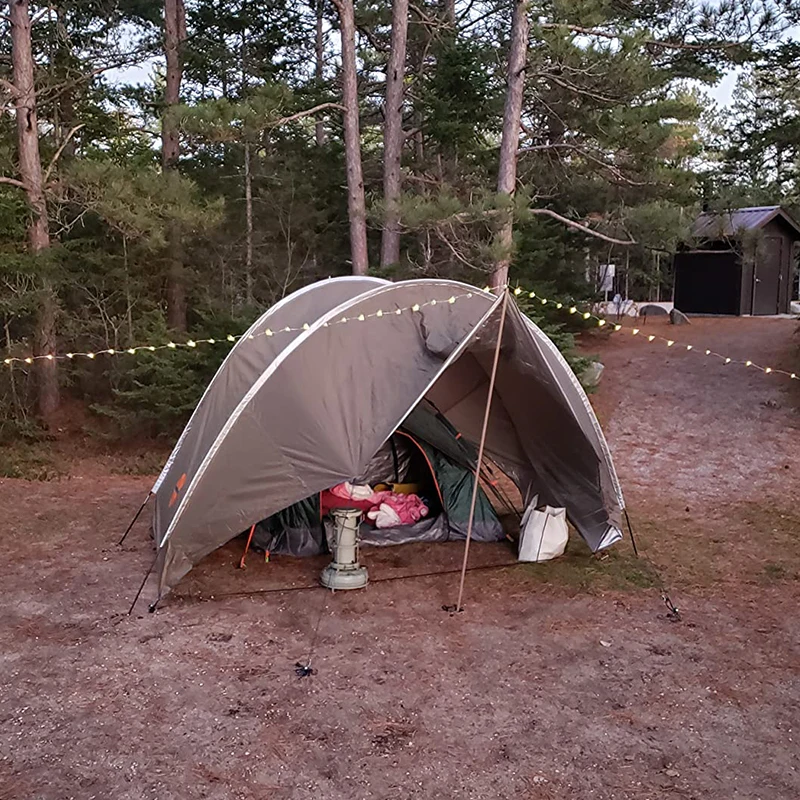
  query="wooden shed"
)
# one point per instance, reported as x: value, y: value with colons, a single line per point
x: 739, y: 262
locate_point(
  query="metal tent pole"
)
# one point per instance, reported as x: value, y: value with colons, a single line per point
x: 133, y: 521
x: 487, y: 412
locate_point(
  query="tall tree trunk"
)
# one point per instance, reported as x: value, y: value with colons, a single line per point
x: 509, y: 144
x: 248, y: 209
x: 393, y: 134
x: 356, y: 204
x: 174, y: 38
x: 30, y: 173
x: 319, y: 63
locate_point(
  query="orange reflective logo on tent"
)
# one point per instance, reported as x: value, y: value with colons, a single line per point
x: 178, y: 486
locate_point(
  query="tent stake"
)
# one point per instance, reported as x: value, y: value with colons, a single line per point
x: 486, y: 414
x: 133, y: 521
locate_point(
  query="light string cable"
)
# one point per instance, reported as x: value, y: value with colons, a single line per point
x: 601, y: 322
x: 230, y: 338
x: 518, y: 291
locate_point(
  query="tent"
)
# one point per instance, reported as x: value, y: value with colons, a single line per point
x: 323, y: 379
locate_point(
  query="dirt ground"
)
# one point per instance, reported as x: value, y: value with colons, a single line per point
x: 564, y: 680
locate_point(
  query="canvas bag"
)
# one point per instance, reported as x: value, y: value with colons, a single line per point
x: 543, y: 533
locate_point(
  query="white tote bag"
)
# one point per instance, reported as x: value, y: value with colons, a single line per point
x: 543, y: 533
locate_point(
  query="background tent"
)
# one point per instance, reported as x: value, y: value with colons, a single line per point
x: 304, y: 402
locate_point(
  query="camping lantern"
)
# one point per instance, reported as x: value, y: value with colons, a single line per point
x: 344, y: 572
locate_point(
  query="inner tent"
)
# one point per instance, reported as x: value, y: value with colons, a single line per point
x: 425, y: 457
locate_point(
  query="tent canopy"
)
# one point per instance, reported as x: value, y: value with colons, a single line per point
x: 322, y: 380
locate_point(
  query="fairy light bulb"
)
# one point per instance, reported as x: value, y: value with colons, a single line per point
x: 191, y: 343
x: 131, y: 350
x: 618, y: 327
x: 572, y: 309
x: 727, y: 361
x: 415, y: 307
x: 635, y: 331
x: 230, y: 337
x: 532, y: 295
x: 650, y: 338
x: 748, y: 363
x: 518, y: 291
x: 600, y: 323
x: 586, y: 315
x: 379, y: 313
x: 670, y: 342
x: 171, y: 345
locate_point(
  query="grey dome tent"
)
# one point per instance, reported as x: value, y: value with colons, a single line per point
x: 323, y: 379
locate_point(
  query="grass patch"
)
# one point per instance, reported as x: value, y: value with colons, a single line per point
x: 580, y: 569
x: 146, y: 463
x: 30, y: 462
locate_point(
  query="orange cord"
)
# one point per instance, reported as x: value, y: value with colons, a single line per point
x: 247, y: 547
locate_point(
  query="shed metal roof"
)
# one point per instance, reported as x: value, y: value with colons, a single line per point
x: 718, y: 225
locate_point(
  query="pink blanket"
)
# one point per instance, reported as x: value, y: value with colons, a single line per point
x: 396, y: 509
x: 386, y: 509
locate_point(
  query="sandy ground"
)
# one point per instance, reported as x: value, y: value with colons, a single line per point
x: 565, y: 680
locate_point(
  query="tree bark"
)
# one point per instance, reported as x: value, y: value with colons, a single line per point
x: 393, y: 134
x: 174, y: 38
x: 449, y: 9
x: 356, y: 204
x: 248, y: 208
x: 509, y: 143
x: 319, y: 64
x: 30, y: 173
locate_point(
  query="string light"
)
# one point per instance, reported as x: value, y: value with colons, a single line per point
x: 601, y: 322
x: 416, y: 307
x: 192, y: 344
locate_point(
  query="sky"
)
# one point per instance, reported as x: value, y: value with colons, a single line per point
x: 723, y: 90
x: 143, y: 73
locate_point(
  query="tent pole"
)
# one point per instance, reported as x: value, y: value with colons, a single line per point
x: 133, y: 521
x: 486, y: 414
x: 144, y: 581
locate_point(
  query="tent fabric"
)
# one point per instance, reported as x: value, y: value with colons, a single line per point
x: 296, y: 530
x: 311, y: 411
x: 455, y: 483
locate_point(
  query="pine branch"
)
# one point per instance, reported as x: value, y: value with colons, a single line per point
x: 60, y: 150
x: 306, y: 113
x: 546, y: 212
x: 13, y: 182
x: 667, y: 45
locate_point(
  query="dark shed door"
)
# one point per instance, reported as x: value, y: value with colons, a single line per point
x: 768, y: 277
x: 707, y: 282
